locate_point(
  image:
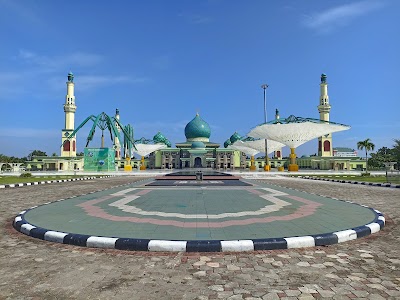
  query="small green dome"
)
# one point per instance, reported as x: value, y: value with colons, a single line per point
x: 159, y: 138
x: 198, y: 145
x: 197, y: 128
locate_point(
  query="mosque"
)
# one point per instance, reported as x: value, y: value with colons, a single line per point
x: 198, y: 151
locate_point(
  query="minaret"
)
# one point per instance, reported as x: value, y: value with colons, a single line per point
x: 69, y: 148
x: 117, y: 144
x: 277, y: 153
x: 324, y: 142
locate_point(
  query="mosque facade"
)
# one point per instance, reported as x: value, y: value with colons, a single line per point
x: 197, y: 151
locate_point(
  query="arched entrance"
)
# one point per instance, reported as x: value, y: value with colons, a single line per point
x: 197, y: 162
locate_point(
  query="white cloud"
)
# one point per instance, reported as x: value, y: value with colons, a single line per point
x: 340, y: 16
x: 71, y: 60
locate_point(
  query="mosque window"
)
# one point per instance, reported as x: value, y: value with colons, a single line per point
x: 327, y: 146
x: 73, y: 146
x: 66, y: 146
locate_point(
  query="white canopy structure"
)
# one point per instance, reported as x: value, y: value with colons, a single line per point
x: 295, y: 131
x: 260, y: 145
x: 239, y: 145
x: 295, y: 134
x: 145, y: 146
x: 146, y: 149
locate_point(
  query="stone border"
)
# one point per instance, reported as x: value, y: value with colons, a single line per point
x: 352, y: 182
x: 132, y: 244
x: 3, y: 186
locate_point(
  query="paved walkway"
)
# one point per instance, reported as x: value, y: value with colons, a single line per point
x: 367, y: 268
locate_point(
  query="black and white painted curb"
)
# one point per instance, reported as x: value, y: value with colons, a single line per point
x: 352, y: 181
x: 133, y: 244
x: 49, y: 181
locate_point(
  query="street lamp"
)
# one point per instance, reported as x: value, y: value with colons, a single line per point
x: 266, y: 167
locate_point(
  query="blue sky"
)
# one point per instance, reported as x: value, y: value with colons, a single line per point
x: 160, y: 62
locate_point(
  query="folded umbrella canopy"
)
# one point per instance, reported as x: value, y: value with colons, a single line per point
x: 295, y: 131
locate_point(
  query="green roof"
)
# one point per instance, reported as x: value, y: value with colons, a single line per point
x: 343, y: 149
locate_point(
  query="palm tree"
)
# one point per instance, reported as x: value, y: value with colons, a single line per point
x: 368, y: 146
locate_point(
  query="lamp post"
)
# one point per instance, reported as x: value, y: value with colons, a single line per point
x: 266, y: 167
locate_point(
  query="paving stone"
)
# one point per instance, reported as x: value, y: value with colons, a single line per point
x: 224, y: 295
x: 271, y: 296
x: 200, y: 274
x: 292, y: 293
x: 217, y: 288
x: 233, y: 268
x: 366, y: 255
x: 375, y: 297
x: 303, y: 264
x: 213, y: 264
x: 236, y: 297
x: 306, y: 297
x: 326, y: 293
x: 205, y: 258
x: 361, y: 293
x: 306, y: 290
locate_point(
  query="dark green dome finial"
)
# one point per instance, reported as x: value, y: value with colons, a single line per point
x: 70, y: 77
x: 323, y: 78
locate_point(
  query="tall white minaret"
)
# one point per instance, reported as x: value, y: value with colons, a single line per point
x: 69, y: 148
x: 117, y: 144
x: 324, y: 142
x: 277, y: 153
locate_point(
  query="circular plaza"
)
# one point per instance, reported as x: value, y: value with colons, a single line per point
x: 199, y: 212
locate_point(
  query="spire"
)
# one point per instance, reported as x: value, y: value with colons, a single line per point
x: 323, y: 78
x: 276, y: 114
x: 70, y: 77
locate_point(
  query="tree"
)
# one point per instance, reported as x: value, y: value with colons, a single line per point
x: 54, y: 154
x: 36, y: 153
x: 381, y: 156
x: 80, y: 154
x: 368, y: 146
x: 396, y: 152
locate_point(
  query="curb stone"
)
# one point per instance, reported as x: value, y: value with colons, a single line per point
x: 13, y: 185
x: 352, y: 181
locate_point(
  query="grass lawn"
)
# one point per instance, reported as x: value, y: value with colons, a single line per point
x: 379, y: 179
x: 17, y: 179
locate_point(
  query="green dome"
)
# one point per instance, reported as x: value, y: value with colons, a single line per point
x: 197, y: 128
x: 198, y: 145
x: 159, y: 138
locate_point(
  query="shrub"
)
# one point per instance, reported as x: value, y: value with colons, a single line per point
x: 365, y: 174
x: 26, y: 174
